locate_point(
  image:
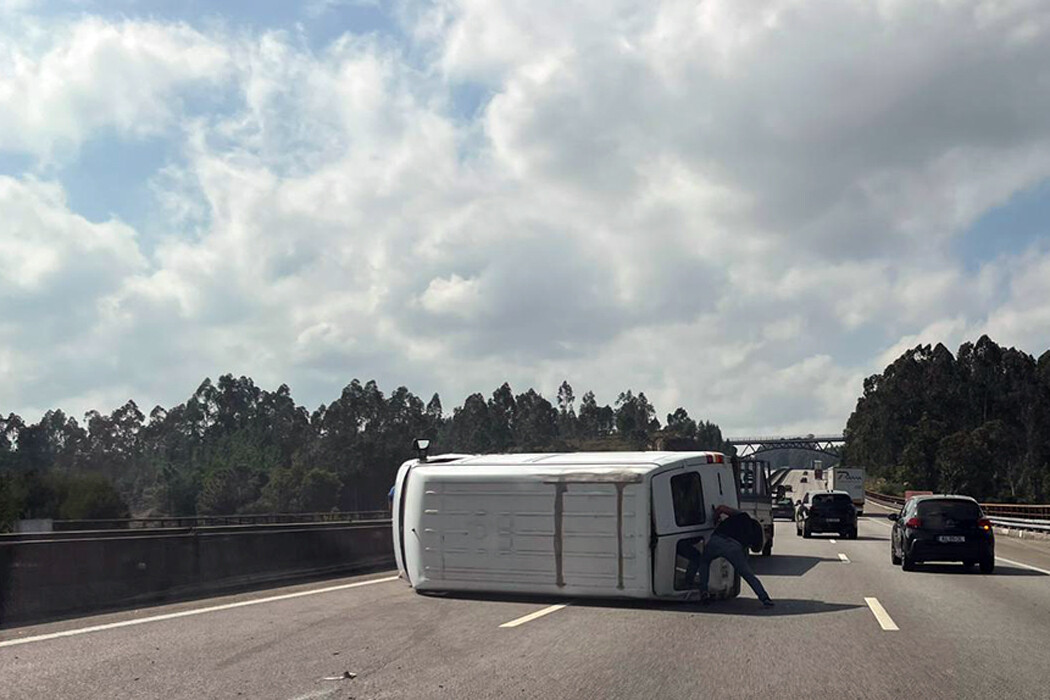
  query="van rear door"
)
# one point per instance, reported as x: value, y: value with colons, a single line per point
x: 683, y: 518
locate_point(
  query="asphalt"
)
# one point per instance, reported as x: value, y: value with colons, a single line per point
x: 961, y: 635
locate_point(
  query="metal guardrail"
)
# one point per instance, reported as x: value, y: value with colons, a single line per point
x: 996, y: 512
x: 192, y: 521
x: 1022, y: 524
x: 201, y: 530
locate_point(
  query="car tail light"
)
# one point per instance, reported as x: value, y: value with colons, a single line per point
x: 913, y: 523
x: 984, y: 524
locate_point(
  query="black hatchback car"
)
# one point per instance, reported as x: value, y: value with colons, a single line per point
x: 826, y: 511
x: 942, y: 528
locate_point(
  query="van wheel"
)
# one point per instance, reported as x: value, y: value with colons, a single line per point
x: 853, y: 534
x: 987, y: 565
x: 907, y: 563
x: 806, y: 533
x: 768, y: 549
x: 894, y: 559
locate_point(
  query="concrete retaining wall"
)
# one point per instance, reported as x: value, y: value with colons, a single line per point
x: 59, y: 577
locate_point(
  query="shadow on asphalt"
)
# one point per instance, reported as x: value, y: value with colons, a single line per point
x: 860, y: 538
x: 785, y: 564
x: 960, y: 570
x: 735, y: 606
x: 784, y: 607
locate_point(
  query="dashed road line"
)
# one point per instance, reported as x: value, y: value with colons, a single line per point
x: 188, y: 613
x: 832, y: 541
x: 532, y: 616
x: 843, y: 558
x: 883, y: 617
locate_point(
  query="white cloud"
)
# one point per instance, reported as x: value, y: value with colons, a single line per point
x: 740, y: 209
x: 61, y: 83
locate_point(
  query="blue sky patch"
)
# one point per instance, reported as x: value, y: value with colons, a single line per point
x: 1008, y: 229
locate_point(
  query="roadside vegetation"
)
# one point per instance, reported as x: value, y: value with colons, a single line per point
x: 976, y: 423
x: 235, y: 448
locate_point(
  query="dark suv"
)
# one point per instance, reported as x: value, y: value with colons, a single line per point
x: 942, y: 528
x: 826, y: 511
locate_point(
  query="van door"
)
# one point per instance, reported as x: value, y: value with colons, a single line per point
x: 683, y: 519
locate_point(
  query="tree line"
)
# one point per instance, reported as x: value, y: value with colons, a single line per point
x: 975, y: 423
x: 235, y: 448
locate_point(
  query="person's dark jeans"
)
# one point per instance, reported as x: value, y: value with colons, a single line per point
x: 733, y: 552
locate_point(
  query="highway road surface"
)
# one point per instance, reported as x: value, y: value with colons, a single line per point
x: 847, y: 624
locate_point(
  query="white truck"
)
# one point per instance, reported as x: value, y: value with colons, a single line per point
x: 756, y: 498
x: 850, y: 480
x: 607, y: 524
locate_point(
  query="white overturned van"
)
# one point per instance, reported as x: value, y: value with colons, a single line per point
x: 605, y: 524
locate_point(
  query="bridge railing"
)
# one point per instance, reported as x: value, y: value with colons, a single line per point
x: 761, y: 439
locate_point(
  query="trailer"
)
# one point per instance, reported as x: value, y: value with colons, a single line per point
x: 850, y: 480
x: 609, y: 524
x: 756, y: 498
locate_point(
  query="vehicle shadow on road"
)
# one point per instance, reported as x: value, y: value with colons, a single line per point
x: 785, y: 564
x: 733, y: 606
x: 1000, y: 570
x: 784, y: 606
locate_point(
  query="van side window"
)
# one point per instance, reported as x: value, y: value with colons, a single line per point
x: 688, y: 497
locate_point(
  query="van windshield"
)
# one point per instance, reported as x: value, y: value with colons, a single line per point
x: 688, y: 497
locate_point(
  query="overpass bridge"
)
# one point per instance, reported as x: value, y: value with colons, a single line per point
x: 847, y: 624
x: 751, y: 446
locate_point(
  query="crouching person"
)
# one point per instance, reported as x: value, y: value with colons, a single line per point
x: 730, y: 540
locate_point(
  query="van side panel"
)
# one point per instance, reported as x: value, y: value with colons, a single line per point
x: 530, y: 535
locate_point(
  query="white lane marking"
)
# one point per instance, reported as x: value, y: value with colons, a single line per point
x: 188, y: 613
x: 532, y: 616
x: 843, y: 558
x: 1027, y: 566
x: 832, y: 541
x: 885, y: 621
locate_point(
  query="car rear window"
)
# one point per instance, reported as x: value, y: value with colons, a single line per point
x: 827, y: 499
x: 953, y: 509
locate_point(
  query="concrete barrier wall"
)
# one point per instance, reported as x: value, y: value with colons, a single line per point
x: 59, y: 577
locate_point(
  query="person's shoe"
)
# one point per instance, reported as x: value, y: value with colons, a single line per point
x: 767, y: 603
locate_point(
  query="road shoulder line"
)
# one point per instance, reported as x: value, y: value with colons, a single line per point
x: 189, y: 613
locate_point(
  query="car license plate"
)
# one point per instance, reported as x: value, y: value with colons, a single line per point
x: 831, y: 520
x: 951, y: 538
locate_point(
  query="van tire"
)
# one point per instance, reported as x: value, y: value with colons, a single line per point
x: 907, y: 563
x: 806, y: 533
x: 768, y: 549
x: 987, y: 565
x: 894, y: 559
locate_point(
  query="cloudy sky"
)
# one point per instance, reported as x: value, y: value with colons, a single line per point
x: 742, y: 207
